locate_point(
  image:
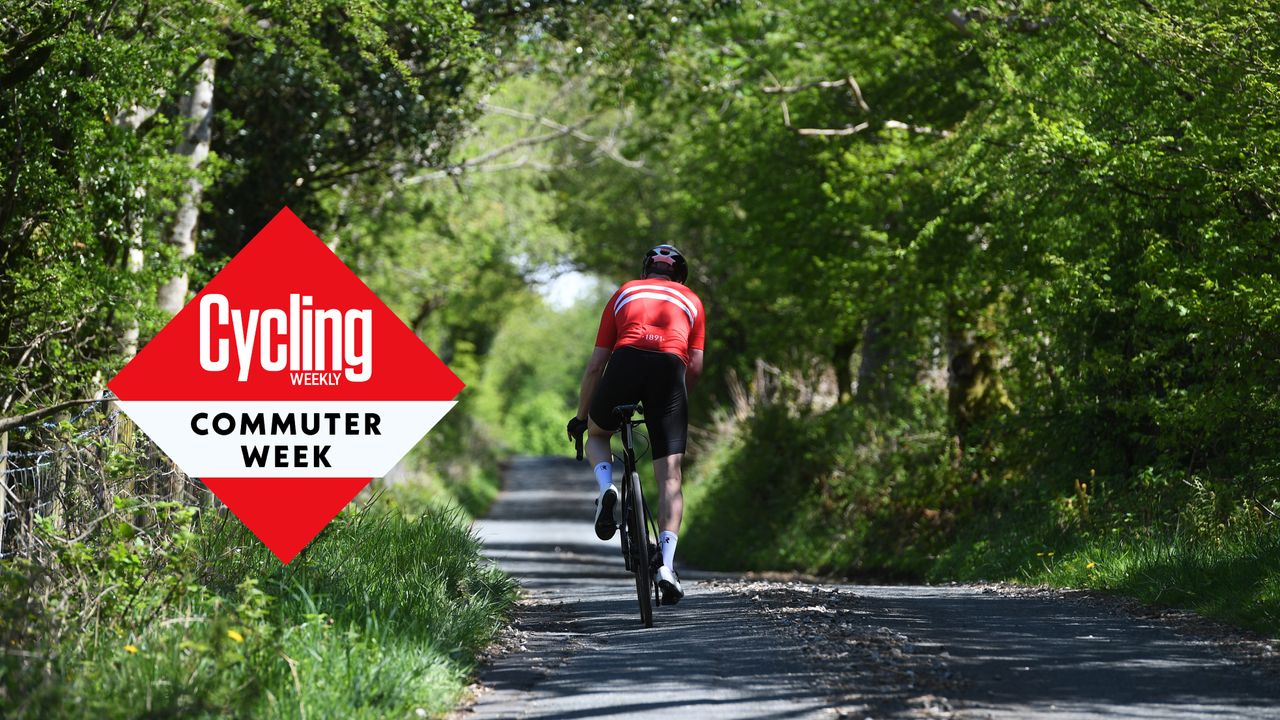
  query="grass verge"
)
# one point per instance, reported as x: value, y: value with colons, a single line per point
x: 380, y: 617
x: 1232, y: 574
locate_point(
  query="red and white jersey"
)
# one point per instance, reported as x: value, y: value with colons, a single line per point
x: 654, y: 314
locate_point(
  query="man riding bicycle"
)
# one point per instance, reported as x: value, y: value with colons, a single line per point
x: 649, y: 349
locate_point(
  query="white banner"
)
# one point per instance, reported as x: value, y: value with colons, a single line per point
x: 306, y: 439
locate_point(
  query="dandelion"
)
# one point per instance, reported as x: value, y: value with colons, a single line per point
x: 1039, y: 554
x: 1050, y: 554
x: 1091, y: 565
x: 131, y: 649
x: 234, y: 635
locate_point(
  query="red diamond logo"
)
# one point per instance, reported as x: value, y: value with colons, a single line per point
x: 285, y: 385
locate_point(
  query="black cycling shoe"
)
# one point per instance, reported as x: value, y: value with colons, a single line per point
x: 669, y: 584
x: 605, y: 524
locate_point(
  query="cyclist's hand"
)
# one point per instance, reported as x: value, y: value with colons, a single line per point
x: 575, y: 429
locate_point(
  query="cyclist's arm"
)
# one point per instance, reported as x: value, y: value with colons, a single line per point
x: 591, y: 378
x: 694, y: 371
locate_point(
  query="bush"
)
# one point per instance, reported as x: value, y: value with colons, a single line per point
x: 831, y: 492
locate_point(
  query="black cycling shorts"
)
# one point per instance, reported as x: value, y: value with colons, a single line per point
x: 655, y: 379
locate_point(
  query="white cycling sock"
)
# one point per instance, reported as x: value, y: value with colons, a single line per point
x: 604, y: 475
x: 667, y: 542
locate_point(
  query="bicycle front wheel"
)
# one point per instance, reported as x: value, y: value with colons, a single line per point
x: 639, y: 532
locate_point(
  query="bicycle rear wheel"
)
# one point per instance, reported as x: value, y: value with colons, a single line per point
x: 640, y: 564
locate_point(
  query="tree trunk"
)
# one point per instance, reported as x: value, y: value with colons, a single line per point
x: 197, y: 110
x: 872, y: 383
x: 975, y: 391
x: 842, y: 358
x: 128, y: 339
x: 131, y: 119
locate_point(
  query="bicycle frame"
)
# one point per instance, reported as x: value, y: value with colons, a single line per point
x: 637, y: 520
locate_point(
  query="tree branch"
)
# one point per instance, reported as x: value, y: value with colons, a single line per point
x: 559, y: 130
x: 888, y: 125
x: 9, y: 423
x: 849, y: 130
x: 789, y: 89
x: 522, y: 142
x: 608, y: 148
x: 849, y: 82
x: 918, y: 129
x: 26, y: 68
x: 454, y: 172
x: 959, y: 19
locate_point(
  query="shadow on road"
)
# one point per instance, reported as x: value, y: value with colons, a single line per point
x: 1032, y: 655
x: 583, y: 652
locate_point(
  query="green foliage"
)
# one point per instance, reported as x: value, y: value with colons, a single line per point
x: 381, y: 615
x: 456, y: 465
x: 848, y: 493
x: 1145, y: 292
x: 1043, y: 229
x: 326, y: 106
x: 844, y: 491
x: 816, y: 231
x: 525, y: 395
x: 361, y: 92
x: 1061, y: 184
x: 457, y: 257
x: 1018, y: 257
x: 79, y: 187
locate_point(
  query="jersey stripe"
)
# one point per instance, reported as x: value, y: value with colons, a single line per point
x: 689, y: 307
x: 655, y: 296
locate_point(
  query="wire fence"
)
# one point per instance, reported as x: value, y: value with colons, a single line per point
x: 72, y: 471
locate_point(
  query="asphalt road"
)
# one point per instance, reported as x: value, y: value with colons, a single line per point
x: 737, y: 649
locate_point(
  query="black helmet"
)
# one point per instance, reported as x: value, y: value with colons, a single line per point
x: 665, y: 260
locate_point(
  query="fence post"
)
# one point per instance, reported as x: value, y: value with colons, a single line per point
x: 122, y: 433
x: 57, y: 489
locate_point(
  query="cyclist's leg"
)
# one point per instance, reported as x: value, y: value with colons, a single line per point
x: 667, y: 415
x: 615, y: 388
x: 598, y: 449
x: 599, y: 453
x: 666, y: 470
x: 618, y: 386
x: 670, y: 509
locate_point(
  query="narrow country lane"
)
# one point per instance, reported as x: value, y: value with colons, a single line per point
x: 739, y: 648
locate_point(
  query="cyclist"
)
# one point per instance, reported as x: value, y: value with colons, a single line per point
x: 649, y: 349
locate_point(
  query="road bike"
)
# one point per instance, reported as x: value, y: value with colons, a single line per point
x: 640, y: 554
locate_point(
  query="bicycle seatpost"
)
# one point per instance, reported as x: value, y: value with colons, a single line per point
x: 624, y: 412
